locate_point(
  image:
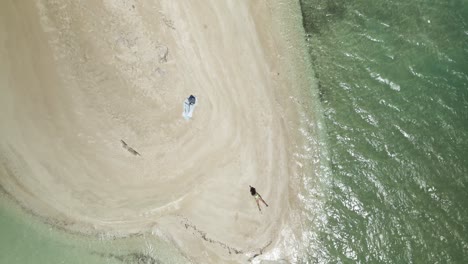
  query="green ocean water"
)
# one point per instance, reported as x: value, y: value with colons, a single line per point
x: 393, y: 83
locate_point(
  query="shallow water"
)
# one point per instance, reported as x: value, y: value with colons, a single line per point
x: 24, y: 239
x: 393, y: 83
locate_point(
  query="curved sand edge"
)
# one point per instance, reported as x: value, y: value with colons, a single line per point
x: 79, y: 78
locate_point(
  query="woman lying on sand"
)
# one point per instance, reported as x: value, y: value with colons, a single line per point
x: 257, y: 196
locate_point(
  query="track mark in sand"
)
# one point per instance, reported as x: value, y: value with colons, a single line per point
x: 163, y: 51
x: 132, y: 258
x: 129, y: 149
x: 203, y: 235
x: 169, y: 23
x: 188, y: 225
x: 261, y: 251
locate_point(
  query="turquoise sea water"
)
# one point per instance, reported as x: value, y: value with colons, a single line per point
x: 393, y: 82
x: 26, y: 240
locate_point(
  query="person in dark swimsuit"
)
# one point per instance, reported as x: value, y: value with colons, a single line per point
x: 192, y: 100
x: 257, y: 197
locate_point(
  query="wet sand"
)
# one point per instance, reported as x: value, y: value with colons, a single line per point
x: 93, y: 138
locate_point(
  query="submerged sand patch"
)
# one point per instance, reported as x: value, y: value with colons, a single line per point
x: 78, y: 78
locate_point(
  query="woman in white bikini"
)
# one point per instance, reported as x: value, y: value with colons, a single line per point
x: 257, y: 197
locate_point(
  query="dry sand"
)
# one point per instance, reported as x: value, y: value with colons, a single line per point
x: 77, y: 77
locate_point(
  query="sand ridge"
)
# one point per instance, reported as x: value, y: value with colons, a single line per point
x: 91, y: 125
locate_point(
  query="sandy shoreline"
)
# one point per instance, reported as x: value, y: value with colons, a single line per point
x: 77, y: 78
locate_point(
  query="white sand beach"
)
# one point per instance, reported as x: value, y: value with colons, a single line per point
x: 79, y: 77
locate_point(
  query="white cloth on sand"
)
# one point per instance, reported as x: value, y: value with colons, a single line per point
x: 188, y: 108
